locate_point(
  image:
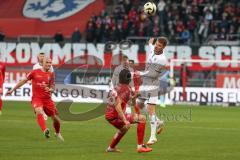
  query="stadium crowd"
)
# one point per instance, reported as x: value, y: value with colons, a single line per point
x: 182, y: 21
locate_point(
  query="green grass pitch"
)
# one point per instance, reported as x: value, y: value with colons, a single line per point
x: 212, y: 133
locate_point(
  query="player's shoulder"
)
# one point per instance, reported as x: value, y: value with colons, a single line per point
x: 36, y: 66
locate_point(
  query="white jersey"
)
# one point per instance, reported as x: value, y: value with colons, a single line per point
x: 38, y: 66
x: 155, y: 68
x: 155, y: 64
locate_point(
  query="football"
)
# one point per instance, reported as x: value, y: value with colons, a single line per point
x: 150, y: 8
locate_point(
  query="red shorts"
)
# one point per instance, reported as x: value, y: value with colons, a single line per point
x: 47, y: 105
x: 118, y: 123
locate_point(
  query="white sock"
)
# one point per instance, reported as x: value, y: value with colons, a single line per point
x: 153, y: 124
x: 139, y: 146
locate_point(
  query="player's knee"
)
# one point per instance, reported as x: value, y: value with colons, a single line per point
x: 124, y: 129
x: 38, y: 110
x: 142, y: 118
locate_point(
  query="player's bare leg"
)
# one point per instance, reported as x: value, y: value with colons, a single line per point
x: 41, y: 122
x: 141, y: 120
x: 116, y: 139
x: 56, y: 125
x: 156, y: 124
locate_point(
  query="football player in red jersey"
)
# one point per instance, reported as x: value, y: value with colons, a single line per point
x: 2, y: 78
x: 42, y: 86
x: 116, y: 116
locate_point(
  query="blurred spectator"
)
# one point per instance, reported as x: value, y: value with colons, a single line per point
x: 208, y: 15
x: 191, y: 25
x: 222, y: 35
x: 203, y: 30
x: 185, y: 37
x: 76, y: 36
x: 2, y: 36
x: 90, y: 31
x: 58, y: 37
x: 231, y: 35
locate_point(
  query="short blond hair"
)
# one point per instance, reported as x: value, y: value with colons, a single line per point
x: 163, y: 40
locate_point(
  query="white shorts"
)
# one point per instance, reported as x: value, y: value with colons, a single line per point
x: 149, y: 91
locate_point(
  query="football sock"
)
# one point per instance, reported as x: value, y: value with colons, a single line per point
x: 140, y: 132
x: 41, y: 122
x: 116, y: 139
x: 153, y: 124
x: 1, y: 103
x: 56, y: 125
x: 137, y: 109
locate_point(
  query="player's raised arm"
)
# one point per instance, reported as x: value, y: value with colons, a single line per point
x: 151, y: 40
x: 18, y: 85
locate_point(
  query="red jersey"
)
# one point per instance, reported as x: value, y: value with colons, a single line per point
x: 40, y: 80
x: 2, y: 72
x: 137, y: 79
x: 122, y: 91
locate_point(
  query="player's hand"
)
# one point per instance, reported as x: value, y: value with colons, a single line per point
x: 127, y: 124
x: 151, y: 41
x: 48, y: 89
x: 9, y: 93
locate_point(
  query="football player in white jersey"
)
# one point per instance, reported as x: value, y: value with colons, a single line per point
x: 39, y: 65
x: 154, y: 69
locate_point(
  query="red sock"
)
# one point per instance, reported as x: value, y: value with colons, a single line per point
x: 116, y: 139
x: 41, y: 122
x: 140, y: 132
x: 1, y: 103
x: 137, y: 109
x: 56, y: 125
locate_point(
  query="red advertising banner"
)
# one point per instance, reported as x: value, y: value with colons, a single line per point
x: 228, y: 81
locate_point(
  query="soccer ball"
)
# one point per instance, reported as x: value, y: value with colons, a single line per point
x: 150, y: 8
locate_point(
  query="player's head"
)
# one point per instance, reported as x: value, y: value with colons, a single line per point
x: 131, y: 63
x: 125, y: 76
x: 41, y: 56
x: 160, y: 45
x: 125, y: 61
x: 47, y: 63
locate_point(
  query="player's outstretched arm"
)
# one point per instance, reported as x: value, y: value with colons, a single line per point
x: 18, y: 85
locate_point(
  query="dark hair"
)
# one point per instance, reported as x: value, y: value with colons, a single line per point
x: 41, y: 53
x: 124, y: 57
x: 131, y: 60
x: 125, y: 76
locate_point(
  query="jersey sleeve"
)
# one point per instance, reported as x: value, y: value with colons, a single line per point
x: 30, y: 75
x: 52, y: 80
x: 150, y: 51
x: 51, y: 69
x: 112, y: 99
